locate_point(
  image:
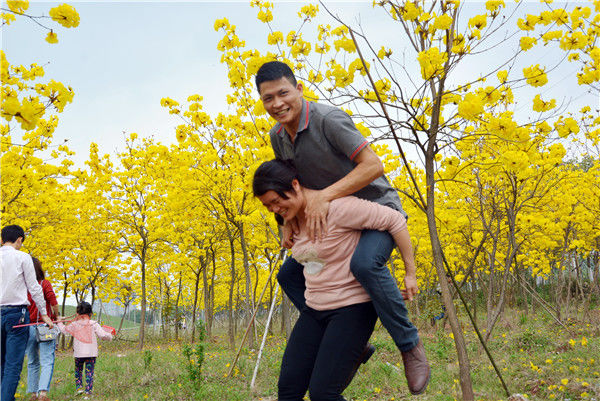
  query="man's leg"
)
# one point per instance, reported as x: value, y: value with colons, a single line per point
x: 348, y: 330
x: 299, y: 357
x: 291, y: 280
x: 368, y: 265
x: 16, y: 342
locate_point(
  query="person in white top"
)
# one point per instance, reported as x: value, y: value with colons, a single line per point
x: 17, y: 276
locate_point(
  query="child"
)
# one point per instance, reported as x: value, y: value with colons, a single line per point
x: 85, y: 345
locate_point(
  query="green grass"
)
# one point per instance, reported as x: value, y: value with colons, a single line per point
x: 536, y: 356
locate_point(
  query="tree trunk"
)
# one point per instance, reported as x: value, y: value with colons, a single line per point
x: 122, y: 319
x: 249, y: 292
x: 143, y: 302
x: 195, y: 307
x: 230, y: 329
x: 459, y: 340
x: 177, y: 317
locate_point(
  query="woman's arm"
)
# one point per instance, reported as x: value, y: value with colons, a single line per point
x: 402, y: 239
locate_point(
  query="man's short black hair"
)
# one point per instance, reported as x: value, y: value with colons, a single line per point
x: 273, y: 71
x: 84, y: 308
x: 12, y: 233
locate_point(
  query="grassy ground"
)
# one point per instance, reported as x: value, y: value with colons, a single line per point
x: 536, y: 356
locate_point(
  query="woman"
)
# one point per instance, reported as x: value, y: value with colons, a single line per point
x: 339, y: 318
x: 40, y: 355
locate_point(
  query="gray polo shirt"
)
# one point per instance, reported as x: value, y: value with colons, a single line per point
x: 326, y: 144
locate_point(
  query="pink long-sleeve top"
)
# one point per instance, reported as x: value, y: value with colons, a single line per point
x: 82, y: 349
x: 329, y: 282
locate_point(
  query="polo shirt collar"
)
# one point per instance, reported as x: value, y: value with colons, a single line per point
x: 304, y: 119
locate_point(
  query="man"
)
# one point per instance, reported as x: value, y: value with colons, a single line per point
x: 334, y: 160
x: 17, y: 276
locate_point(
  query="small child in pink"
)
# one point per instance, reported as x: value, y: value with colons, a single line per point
x: 85, y: 345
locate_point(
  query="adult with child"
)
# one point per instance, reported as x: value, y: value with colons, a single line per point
x: 85, y: 334
x: 333, y: 160
x: 338, y: 316
x: 17, y: 277
x: 40, y: 355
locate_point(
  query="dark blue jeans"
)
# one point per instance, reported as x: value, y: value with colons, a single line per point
x: 322, y: 351
x: 14, y: 342
x: 368, y: 265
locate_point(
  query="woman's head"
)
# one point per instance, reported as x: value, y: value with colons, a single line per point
x: 276, y: 184
x: 84, y: 308
x: 39, y: 272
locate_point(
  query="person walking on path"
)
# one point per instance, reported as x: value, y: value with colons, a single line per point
x: 17, y: 277
x: 40, y: 355
x: 85, y: 334
x: 334, y: 160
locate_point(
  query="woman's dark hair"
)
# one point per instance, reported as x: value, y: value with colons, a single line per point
x: 84, y: 308
x: 274, y: 175
x: 39, y: 273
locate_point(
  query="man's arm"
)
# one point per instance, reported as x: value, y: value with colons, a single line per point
x: 368, y: 168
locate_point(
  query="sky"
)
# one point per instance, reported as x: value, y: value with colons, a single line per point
x: 125, y: 56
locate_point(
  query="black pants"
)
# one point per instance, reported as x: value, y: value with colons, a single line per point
x: 322, y: 350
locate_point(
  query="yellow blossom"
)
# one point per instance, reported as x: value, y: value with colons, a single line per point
x: 18, y: 6
x: 442, y: 22
x: 51, y: 37
x: 535, y: 75
x: 65, y: 15
x: 527, y: 42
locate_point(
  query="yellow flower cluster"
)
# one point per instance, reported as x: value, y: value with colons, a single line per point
x: 535, y: 76
x: 540, y: 105
x: 65, y: 15
x: 432, y: 62
x: 18, y: 6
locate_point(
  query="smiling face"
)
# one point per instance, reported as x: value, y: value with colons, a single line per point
x: 283, y: 102
x: 288, y: 208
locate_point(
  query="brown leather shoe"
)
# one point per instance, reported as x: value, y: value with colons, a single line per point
x: 416, y: 369
x: 364, y: 357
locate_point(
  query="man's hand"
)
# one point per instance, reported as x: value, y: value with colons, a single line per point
x: 287, y: 233
x: 410, y: 281
x: 317, y: 206
x: 47, y: 320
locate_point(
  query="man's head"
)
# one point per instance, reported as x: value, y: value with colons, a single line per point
x: 274, y: 71
x: 13, y: 235
x: 280, y: 93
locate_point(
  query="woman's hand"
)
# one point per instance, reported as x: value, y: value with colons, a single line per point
x: 287, y: 233
x: 410, y: 281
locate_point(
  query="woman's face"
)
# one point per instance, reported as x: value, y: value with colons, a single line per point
x: 286, y: 208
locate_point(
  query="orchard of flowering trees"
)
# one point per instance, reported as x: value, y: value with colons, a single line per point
x: 500, y: 176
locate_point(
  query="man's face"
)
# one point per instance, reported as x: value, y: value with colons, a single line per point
x: 282, y: 100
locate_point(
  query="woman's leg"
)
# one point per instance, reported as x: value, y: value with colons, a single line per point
x: 33, y: 362
x: 47, y: 349
x: 299, y: 357
x: 89, y: 374
x: 347, y: 332
x: 78, y: 370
